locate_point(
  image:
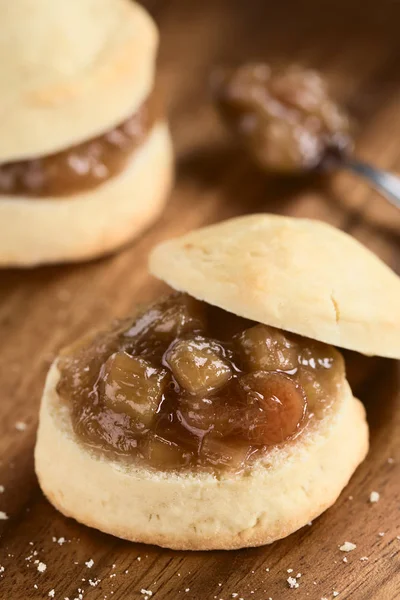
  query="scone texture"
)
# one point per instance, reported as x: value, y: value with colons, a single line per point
x: 69, y: 71
x: 293, y: 485
x: 94, y: 222
x: 300, y: 275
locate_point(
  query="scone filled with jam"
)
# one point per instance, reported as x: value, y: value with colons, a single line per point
x: 85, y: 153
x: 220, y: 415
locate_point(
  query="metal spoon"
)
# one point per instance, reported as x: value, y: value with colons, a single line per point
x: 385, y: 183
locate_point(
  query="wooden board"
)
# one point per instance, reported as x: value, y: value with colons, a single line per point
x: 358, y: 46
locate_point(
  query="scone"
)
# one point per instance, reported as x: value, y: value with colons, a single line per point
x: 85, y: 153
x: 214, y: 419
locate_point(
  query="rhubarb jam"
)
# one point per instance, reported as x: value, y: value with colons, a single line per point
x: 82, y: 167
x: 284, y: 117
x: 186, y: 385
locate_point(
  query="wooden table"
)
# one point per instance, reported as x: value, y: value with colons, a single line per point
x: 358, y: 47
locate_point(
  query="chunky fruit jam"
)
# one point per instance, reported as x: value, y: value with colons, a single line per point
x: 188, y: 385
x: 283, y: 116
x: 84, y: 166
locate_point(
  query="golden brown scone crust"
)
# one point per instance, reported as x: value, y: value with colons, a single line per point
x: 95, y: 222
x: 69, y: 71
x: 301, y: 275
x: 295, y: 484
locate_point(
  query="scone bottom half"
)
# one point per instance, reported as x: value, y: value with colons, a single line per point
x: 191, y: 427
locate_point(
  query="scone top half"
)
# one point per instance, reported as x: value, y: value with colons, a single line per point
x: 70, y: 71
x: 300, y: 275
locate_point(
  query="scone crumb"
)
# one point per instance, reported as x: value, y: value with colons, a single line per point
x: 374, y: 497
x: 345, y: 559
x: 51, y: 593
x: 20, y: 426
x: 290, y: 570
x: 364, y: 558
x: 234, y: 595
x: 347, y: 547
x: 3, y: 516
x: 298, y: 575
x: 381, y: 533
x: 267, y: 569
x: 335, y: 594
x: 41, y: 567
x: 139, y: 558
x: 60, y: 541
x: 147, y: 593
x: 292, y: 582
x: 1, y: 570
x: 89, y: 563
x: 187, y: 590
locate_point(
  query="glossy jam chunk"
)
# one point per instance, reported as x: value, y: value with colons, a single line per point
x: 198, y: 365
x: 186, y: 385
x: 283, y: 116
x: 161, y: 453
x: 154, y: 330
x: 83, y: 166
x: 274, y: 405
x: 263, y: 348
x: 131, y: 385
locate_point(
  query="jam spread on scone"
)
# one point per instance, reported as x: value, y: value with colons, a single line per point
x: 83, y: 166
x: 284, y: 117
x: 189, y: 385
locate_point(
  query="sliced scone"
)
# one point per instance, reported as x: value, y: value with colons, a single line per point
x: 212, y: 419
x: 85, y: 152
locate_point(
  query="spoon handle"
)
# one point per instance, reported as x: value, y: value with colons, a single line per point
x: 386, y: 183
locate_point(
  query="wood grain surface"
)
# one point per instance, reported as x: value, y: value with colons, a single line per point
x: 357, y: 45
